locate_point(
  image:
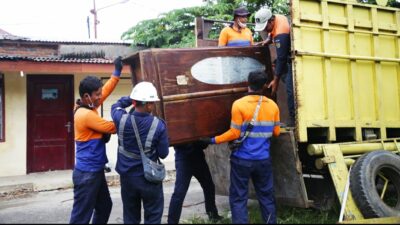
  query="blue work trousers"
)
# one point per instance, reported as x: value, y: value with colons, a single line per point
x: 134, y: 191
x: 260, y: 171
x: 185, y: 169
x: 91, y: 198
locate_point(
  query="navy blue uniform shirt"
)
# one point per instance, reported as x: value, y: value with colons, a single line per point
x: 160, y: 142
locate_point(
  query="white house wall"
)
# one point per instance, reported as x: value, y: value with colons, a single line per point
x: 13, y: 152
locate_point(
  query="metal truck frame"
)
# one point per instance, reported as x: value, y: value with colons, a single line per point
x: 346, y: 73
x: 345, y: 146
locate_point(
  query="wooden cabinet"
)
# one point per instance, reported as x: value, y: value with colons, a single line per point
x: 197, y: 86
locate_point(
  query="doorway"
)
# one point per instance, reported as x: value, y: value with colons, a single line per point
x: 50, y: 128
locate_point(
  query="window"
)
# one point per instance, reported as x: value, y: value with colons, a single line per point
x: 2, y: 137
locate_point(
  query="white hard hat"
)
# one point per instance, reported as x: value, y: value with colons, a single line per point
x: 144, y: 92
x: 262, y: 16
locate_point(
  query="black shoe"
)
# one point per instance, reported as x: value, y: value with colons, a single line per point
x: 214, y: 217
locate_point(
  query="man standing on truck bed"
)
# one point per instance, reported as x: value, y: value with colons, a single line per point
x: 276, y: 28
x: 91, y: 194
x: 252, y: 158
x: 237, y: 34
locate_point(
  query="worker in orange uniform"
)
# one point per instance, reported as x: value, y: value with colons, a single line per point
x: 256, y: 118
x: 237, y: 34
x: 91, y: 194
x: 276, y: 29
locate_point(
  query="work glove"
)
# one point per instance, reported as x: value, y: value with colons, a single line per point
x: 125, y: 101
x: 200, y: 145
x: 205, y: 141
x: 118, y: 66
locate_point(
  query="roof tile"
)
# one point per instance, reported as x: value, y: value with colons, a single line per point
x: 56, y: 59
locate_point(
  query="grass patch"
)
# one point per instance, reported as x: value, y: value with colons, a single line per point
x: 286, y: 215
x: 293, y: 215
x: 199, y: 220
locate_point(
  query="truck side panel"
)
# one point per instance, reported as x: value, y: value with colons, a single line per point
x: 347, y: 69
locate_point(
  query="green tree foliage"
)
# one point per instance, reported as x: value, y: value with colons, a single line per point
x: 390, y: 3
x: 175, y: 29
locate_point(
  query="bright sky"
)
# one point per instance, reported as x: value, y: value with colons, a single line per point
x: 67, y: 19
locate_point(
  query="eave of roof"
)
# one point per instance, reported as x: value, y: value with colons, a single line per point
x: 56, y: 59
x: 31, y: 67
x: 48, y: 41
x: 4, y: 35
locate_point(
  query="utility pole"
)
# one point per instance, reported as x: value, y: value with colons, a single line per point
x: 88, y: 25
x: 95, y: 21
x: 94, y: 11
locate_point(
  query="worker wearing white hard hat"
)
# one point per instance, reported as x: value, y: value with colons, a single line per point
x: 276, y: 28
x: 144, y: 92
x: 135, y: 189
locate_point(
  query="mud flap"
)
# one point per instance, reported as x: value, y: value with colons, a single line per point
x: 288, y: 178
x: 217, y: 157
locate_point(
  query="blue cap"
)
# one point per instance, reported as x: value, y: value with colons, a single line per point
x: 241, y: 11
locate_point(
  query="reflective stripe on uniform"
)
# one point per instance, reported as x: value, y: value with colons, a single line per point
x: 128, y: 154
x: 149, y: 138
x: 260, y: 134
x: 260, y: 123
x: 150, y: 135
x: 235, y: 126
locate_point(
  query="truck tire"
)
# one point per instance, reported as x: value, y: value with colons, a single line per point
x: 365, y: 183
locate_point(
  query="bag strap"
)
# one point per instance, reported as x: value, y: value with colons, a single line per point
x: 137, y: 135
x: 251, y: 124
x: 256, y: 111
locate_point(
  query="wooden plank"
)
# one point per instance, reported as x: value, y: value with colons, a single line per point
x: 288, y: 177
x: 384, y: 220
x: 339, y: 174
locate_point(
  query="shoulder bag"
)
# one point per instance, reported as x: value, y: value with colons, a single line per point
x: 154, y: 171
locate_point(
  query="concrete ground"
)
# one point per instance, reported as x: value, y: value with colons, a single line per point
x: 48, y: 197
x: 54, y: 207
x: 53, y: 180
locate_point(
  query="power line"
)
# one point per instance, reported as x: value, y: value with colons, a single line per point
x: 94, y: 11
